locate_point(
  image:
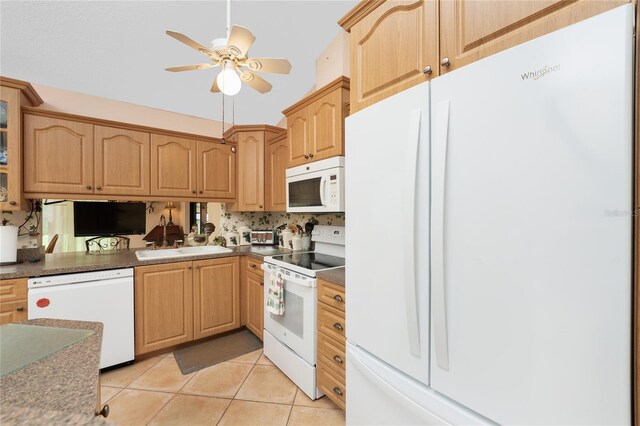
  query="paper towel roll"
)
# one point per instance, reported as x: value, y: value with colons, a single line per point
x: 8, y: 243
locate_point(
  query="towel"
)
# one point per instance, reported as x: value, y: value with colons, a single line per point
x: 275, y: 299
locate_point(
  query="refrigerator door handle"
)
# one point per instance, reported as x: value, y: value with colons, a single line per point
x: 410, y: 292
x: 438, y: 297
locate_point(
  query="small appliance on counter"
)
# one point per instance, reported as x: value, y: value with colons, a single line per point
x: 264, y: 237
x: 232, y: 238
x: 245, y: 235
x: 8, y: 244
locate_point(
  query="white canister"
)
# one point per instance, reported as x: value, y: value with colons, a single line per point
x: 8, y: 243
x: 296, y: 242
x: 245, y: 235
x: 286, y: 238
x: 232, y: 238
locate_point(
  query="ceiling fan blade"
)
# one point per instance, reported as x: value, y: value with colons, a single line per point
x: 258, y: 83
x: 275, y: 65
x: 194, y: 44
x: 214, y: 87
x: 190, y: 67
x: 240, y: 40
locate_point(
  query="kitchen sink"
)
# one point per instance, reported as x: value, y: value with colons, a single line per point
x: 181, y: 252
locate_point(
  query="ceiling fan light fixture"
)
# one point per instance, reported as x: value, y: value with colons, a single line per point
x: 229, y: 82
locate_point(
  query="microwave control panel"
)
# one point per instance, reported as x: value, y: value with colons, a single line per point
x: 332, y: 190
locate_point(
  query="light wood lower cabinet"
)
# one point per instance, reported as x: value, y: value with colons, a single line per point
x: 13, y: 300
x: 163, y: 306
x: 253, y: 296
x: 331, y: 373
x: 179, y: 302
x: 216, y: 296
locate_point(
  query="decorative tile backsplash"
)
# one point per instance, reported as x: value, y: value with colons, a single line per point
x: 230, y: 221
x: 30, y: 234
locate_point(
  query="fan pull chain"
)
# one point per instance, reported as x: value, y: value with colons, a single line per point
x: 223, y: 140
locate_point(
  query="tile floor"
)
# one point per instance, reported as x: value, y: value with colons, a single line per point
x: 247, y: 390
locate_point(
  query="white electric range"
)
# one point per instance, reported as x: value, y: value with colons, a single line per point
x: 290, y: 339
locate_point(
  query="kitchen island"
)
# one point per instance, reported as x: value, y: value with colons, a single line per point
x: 60, y: 388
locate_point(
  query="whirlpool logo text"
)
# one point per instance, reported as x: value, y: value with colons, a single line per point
x: 534, y: 75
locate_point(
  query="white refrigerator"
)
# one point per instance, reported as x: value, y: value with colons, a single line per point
x: 489, y: 252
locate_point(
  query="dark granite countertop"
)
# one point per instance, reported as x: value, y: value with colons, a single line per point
x: 65, y: 382
x: 335, y: 276
x: 68, y: 263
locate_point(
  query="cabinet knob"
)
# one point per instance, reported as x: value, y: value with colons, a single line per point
x: 338, y: 298
x: 12, y: 203
x: 259, y: 206
x: 262, y: 283
x: 233, y: 149
x: 193, y: 192
x: 427, y: 69
x: 197, y: 266
x: 338, y: 391
x: 200, y: 192
x: 338, y: 326
x: 337, y: 359
x: 306, y: 157
x: 189, y: 267
x: 99, y: 188
x: 88, y: 186
x: 19, y: 309
x: 445, y: 62
x: 310, y: 155
x: 254, y: 266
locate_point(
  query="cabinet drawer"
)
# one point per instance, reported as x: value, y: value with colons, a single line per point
x: 14, y: 311
x: 331, y: 294
x: 254, y: 265
x: 13, y: 290
x: 331, y: 322
x: 332, y: 386
x: 332, y: 354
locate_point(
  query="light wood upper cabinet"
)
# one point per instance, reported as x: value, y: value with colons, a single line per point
x: 121, y: 161
x: 163, y: 306
x: 298, y: 129
x: 173, y: 166
x: 275, y: 168
x: 251, y: 171
x: 216, y: 170
x: 216, y: 296
x: 390, y: 47
x: 471, y: 30
x: 315, y: 125
x: 58, y: 156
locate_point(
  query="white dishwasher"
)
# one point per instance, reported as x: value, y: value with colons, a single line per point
x: 100, y: 296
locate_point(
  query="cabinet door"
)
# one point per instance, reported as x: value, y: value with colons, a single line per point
x: 471, y: 29
x: 164, y: 306
x: 275, y: 168
x: 10, y: 147
x: 173, y: 166
x: 298, y: 135
x: 13, y: 300
x: 250, y: 171
x: 255, y: 303
x: 121, y: 161
x: 58, y: 156
x: 327, y: 134
x: 216, y: 296
x: 216, y: 170
x: 390, y: 49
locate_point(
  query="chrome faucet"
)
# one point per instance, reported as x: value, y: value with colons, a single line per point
x: 163, y: 223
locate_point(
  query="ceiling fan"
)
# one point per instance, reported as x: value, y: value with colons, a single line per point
x: 232, y: 55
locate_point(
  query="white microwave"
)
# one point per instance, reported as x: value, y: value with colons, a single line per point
x: 317, y: 187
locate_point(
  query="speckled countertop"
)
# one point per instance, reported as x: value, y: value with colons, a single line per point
x: 65, y: 382
x: 67, y: 263
x: 335, y: 276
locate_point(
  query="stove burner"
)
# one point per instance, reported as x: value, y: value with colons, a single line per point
x: 311, y: 261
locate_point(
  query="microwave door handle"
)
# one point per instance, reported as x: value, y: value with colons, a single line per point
x: 323, y: 186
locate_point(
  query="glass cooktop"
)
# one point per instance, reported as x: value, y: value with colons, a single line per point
x: 311, y: 261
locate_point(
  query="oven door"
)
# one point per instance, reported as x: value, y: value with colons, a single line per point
x: 296, y: 328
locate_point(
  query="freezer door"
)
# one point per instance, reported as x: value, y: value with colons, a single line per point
x: 387, y: 246
x: 531, y: 228
x: 381, y: 395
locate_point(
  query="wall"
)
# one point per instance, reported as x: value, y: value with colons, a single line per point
x: 333, y: 61
x: 230, y: 221
x: 93, y: 106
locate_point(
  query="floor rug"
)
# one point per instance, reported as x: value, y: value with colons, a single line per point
x: 212, y: 352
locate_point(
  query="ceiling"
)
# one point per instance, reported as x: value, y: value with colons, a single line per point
x: 118, y: 50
